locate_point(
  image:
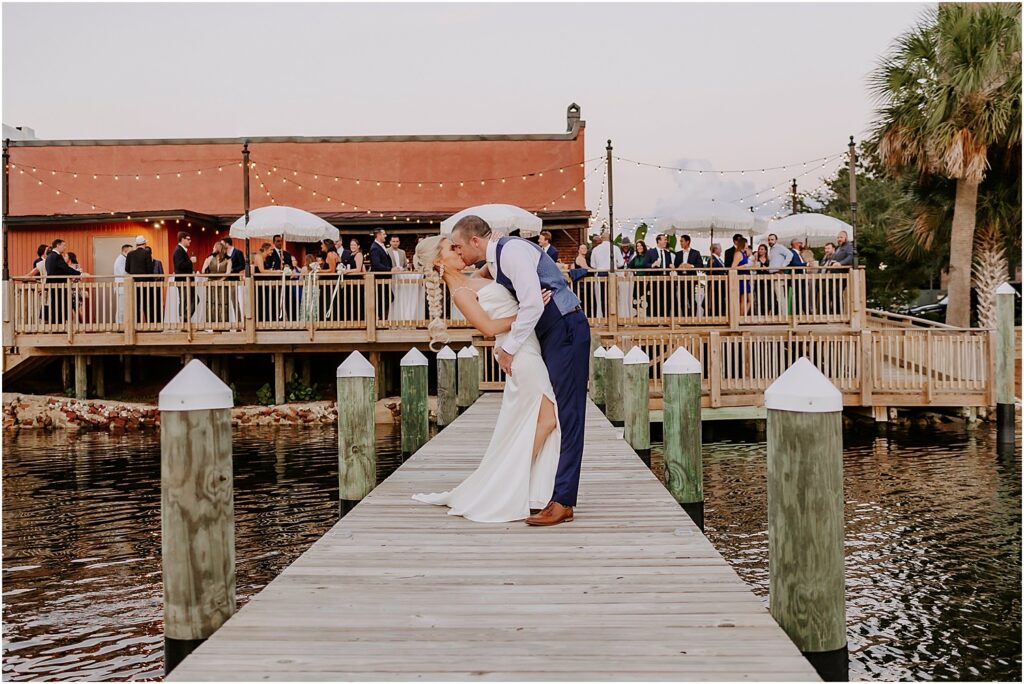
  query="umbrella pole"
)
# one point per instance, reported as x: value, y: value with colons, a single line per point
x: 245, y: 203
x: 853, y: 195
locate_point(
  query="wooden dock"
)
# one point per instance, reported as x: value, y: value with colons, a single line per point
x: 398, y: 590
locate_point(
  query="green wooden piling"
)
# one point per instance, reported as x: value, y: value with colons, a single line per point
x: 447, y: 387
x: 469, y: 378
x: 414, y: 402
x: 613, y: 404
x: 684, y: 465
x: 599, y: 364
x: 1006, y: 370
x: 636, y: 400
x: 357, y: 448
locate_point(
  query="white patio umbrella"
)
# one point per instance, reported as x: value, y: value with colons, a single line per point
x: 704, y: 217
x: 291, y: 223
x: 818, y: 227
x: 503, y: 218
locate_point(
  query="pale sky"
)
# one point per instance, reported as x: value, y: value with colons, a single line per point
x: 713, y: 86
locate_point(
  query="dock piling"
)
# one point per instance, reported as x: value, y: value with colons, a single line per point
x: 447, y: 387
x: 414, y: 402
x: 636, y: 411
x: 613, y: 407
x: 81, y: 377
x: 469, y: 374
x: 1006, y: 301
x: 684, y: 463
x: 805, y: 516
x: 357, y: 451
x: 599, y: 365
x: 197, y: 509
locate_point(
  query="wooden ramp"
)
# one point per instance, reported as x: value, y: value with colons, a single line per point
x: 399, y: 590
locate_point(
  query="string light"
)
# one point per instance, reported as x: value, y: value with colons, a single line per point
x: 725, y: 171
x: 116, y: 175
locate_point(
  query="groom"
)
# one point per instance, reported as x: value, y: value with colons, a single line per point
x: 563, y: 332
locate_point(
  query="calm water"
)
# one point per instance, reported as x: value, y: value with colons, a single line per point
x: 933, y: 543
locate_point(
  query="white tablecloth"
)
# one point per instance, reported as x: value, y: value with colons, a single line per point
x: 408, y: 297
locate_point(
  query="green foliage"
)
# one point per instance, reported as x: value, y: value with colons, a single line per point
x: 297, y: 390
x: 265, y: 395
x: 234, y: 394
x: 69, y: 392
x: 641, y: 232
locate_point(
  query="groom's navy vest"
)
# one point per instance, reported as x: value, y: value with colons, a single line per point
x: 563, y: 300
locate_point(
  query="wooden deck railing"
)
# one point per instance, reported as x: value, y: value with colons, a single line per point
x: 196, y: 304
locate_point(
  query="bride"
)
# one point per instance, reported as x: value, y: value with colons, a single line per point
x: 517, y: 471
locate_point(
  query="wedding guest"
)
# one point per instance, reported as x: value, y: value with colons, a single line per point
x: 582, y: 260
x: 235, y: 255
x: 183, y: 266
x: 741, y: 258
x: 779, y: 258
x: 119, y: 272
x: 686, y: 262
x: 639, y: 259
x: 57, y: 266
x: 731, y: 252
x: 220, y: 295
x: 845, y: 251
x: 544, y: 240
x: 380, y: 260
x: 660, y: 256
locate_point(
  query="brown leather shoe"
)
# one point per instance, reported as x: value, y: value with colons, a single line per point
x: 553, y: 514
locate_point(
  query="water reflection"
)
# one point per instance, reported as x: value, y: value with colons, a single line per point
x: 933, y: 542
x: 933, y: 545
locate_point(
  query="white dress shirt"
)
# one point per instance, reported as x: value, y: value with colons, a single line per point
x: 519, y: 266
x: 601, y: 260
x: 779, y: 256
x: 119, y: 269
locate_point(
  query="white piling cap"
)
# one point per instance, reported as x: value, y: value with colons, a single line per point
x: 636, y: 356
x: 1006, y: 288
x: 466, y: 353
x: 472, y: 348
x: 195, y: 388
x: 600, y: 353
x: 614, y: 353
x: 414, y: 358
x: 446, y: 353
x: 681, y: 362
x: 355, y: 366
x: 803, y: 389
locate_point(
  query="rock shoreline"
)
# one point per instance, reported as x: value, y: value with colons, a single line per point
x: 35, y: 412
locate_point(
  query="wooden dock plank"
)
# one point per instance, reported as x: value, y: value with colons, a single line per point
x: 399, y: 590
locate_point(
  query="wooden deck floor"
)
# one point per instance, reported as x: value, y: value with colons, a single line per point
x: 398, y: 590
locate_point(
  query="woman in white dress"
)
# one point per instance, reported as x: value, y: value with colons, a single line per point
x: 517, y: 471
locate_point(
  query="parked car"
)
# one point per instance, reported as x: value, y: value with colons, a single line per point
x: 936, y: 311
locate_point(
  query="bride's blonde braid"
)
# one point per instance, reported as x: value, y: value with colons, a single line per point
x: 426, y: 255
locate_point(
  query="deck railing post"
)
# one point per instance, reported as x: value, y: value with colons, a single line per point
x: 805, y: 516
x: 370, y: 306
x: 600, y: 377
x: 684, y: 463
x: 732, y: 299
x: 1006, y: 301
x: 447, y: 387
x: 197, y: 509
x: 613, y: 404
x: 636, y: 412
x: 414, y: 402
x: 357, y: 452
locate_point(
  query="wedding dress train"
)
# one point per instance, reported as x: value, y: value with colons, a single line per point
x: 507, y: 483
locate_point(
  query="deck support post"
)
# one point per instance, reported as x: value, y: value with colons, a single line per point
x: 197, y: 509
x: 613, y: 407
x: 306, y: 370
x: 805, y: 516
x: 684, y: 462
x: 126, y: 368
x: 469, y: 377
x: 447, y: 387
x: 599, y: 377
x: 97, y: 377
x: 636, y: 403
x: 357, y: 451
x: 414, y: 402
x: 66, y: 374
x: 1006, y: 373
x: 81, y: 377
x: 279, y: 379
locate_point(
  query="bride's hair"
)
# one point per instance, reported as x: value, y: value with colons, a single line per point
x: 427, y: 252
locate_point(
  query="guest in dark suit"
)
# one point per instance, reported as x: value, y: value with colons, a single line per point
x: 380, y: 262
x: 139, y: 263
x: 686, y: 263
x: 235, y: 255
x: 56, y: 266
x: 276, y: 260
x: 183, y: 266
x: 715, y: 299
x: 730, y: 253
x: 156, y: 294
x: 659, y: 257
x: 545, y: 243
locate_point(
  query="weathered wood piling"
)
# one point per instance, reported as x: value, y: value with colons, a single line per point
x: 636, y: 411
x: 1006, y: 369
x: 414, y: 402
x: 447, y: 387
x: 469, y: 377
x: 599, y: 365
x: 197, y: 509
x: 613, y: 407
x: 805, y: 516
x: 684, y: 465
x: 357, y: 447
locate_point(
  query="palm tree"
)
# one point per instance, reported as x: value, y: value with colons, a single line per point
x: 948, y: 91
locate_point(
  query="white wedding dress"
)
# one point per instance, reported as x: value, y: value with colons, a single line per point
x: 506, y: 485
